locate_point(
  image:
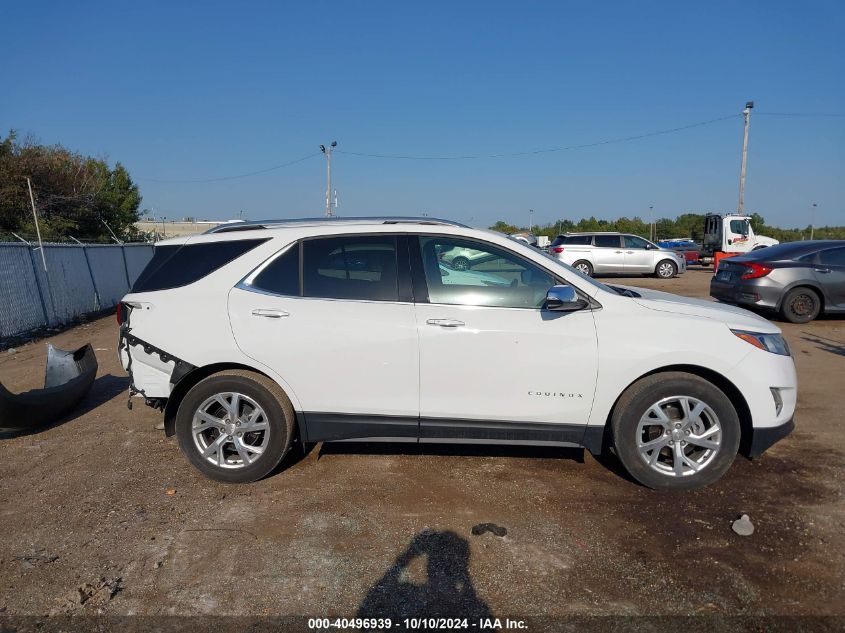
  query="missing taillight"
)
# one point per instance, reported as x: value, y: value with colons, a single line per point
x: 754, y: 271
x: 122, y: 313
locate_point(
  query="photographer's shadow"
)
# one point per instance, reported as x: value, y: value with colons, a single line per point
x: 447, y: 592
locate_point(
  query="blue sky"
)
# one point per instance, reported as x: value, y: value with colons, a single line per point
x: 195, y: 91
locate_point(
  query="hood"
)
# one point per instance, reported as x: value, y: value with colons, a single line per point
x: 732, y: 316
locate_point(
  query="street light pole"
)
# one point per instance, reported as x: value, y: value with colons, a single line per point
x: 328, y: 153
x: 813, y: 219
x: 651, y: 230
x: 530, y: 219
x: 747, y: 115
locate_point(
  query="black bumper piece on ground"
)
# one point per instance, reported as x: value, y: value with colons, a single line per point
x: 68, y: 378
x: 763, y: 438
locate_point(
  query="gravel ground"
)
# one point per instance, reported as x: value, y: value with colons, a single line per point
x: 101, y: 514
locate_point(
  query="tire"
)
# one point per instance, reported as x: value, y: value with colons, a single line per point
x: 262, y: 449
x: 634, y: 427
x: 665, y: 269
x: 801, y: 305
x: 584, y: 266
x: 460, y: 263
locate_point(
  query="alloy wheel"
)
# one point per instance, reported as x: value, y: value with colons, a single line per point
x: 665, y: 270
x: 679, y: 436
x: 230, y: 430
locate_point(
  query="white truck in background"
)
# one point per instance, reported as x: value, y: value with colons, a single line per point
x: 730, y: 233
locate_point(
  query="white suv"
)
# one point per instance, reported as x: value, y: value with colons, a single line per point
x: 258, y: 334
x: 616, y: 253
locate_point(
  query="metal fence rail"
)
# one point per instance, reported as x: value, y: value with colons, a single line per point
x: 80, y: 279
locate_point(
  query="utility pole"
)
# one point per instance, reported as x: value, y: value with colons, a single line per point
x: 740, y: 209
x: 530, y: 219
x: 813, y: 219
x: 328, y: 153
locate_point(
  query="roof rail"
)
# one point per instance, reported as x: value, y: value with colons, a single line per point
x: 252, y: 225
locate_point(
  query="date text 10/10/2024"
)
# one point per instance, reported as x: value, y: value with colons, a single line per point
x: 385, y: 624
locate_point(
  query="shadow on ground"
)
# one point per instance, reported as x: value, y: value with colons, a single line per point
x: 446, y: 589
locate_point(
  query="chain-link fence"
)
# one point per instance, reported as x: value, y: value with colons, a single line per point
x: 79, y: 280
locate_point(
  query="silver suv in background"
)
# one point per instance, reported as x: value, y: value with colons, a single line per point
x: 617, y: 253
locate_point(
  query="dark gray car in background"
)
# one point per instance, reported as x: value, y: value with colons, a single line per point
x: 800, y: 280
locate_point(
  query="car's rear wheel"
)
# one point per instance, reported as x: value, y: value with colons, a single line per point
x: 460, y: 263
x: 666, y: 269
x: 235, y: 426
x: 584, y: 267
x: 801, y: 305
x: 675, y: 431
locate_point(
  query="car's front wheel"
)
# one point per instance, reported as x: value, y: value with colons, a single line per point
x: 666, y: 269
x: 675, y: 431
x: 235, y: 426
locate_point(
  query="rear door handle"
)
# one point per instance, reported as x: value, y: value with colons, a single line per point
x: 270, y: 314
x: 446, y: 322
x: 618, y: 251
x: 822, y: 270
x: 629, y: 252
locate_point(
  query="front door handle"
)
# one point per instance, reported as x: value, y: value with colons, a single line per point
x: 822, y: 270
x: 629, y: 252
x: 270, y: 314
x: 618, y: 251
x: 446, y: 322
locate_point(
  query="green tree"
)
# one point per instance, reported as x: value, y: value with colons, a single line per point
x: 75, y: 195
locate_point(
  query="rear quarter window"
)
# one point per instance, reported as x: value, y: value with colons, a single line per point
x: 174, y: 266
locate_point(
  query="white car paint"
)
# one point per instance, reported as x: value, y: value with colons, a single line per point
x: 385, y: 358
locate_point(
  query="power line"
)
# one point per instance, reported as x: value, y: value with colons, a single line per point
x: 802, y: 114
x: 546, y: 150
x: 222, y: 178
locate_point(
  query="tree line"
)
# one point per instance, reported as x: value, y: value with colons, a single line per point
x: 685, y: 225
x: 75, y: 196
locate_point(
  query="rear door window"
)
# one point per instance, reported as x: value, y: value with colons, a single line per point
x: 832, y: 257
x: 578, y: 239
x: 179, y: 265
x: 358, y: 267
x: 607, y: 241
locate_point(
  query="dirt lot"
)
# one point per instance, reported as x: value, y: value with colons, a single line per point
x: 100, y: 513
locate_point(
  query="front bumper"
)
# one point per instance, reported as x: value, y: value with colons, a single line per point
x: 746, y: 293
x: 763, y: 438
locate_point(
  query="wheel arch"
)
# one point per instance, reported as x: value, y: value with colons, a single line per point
x: 192, y: 378
x: 743, y: 411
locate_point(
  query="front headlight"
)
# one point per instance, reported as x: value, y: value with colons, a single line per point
x: 773, y: 343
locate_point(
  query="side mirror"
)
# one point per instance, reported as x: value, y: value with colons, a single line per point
x: 563, y: 299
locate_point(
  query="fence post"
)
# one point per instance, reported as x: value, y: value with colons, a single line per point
x: 125, y: 267
x: 98, y: 305
x: 38, y: 285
